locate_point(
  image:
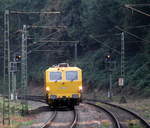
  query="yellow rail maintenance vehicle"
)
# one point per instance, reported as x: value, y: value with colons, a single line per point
x: 63, y: 85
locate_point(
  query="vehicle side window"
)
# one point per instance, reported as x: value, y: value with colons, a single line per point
x: 55, y: 76
x: 71, y: 75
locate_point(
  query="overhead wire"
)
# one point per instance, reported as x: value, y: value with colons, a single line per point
x: 35, y: 43
x: 131, y: 34
x: 140, y: 26
x: 53, y: 41
x: 42, y: 40
x: 26, y: 12
x: 47, y: 27
x: 137, y: 10
x: 107, y: 34
x: 139, y: 5
x: 137, y: 70
x: 58, y: 41
x: 118, y: 52
x: 46, y: 50
x: 41, y: 44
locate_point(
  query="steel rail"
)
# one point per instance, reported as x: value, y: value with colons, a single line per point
x: 40, y: 99
x: 116, y: 122
x: 143, y: 121
x: 75, y: 120
x: 136, y: 115
x: 49, y: 121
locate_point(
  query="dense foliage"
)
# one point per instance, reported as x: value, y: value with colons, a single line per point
x: 96, y: 24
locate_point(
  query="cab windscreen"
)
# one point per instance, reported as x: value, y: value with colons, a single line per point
x: 71, y: 75
x: 55, y: 76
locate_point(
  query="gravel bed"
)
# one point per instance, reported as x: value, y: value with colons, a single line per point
x: 90, y: 118
x: 40, y: 113
x: 63, y: 119
x: 124, y: 117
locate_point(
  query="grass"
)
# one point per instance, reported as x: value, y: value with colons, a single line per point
x: 18, y: 121
x: 134, y: 124
x: 15, y: 115
x: 105, y: 124
x: 18, y: 124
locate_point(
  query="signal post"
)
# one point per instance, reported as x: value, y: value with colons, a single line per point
x: 121, y: 80
x: 110, y: 66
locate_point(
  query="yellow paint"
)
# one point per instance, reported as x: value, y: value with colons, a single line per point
x: 63, y: 87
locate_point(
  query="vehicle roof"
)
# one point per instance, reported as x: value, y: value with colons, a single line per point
x: 63, y: 68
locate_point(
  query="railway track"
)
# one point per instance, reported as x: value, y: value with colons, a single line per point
x: 75, y: 120
x: 134, y: 115
x: 120, y: 116
x: 125, y: 116
x: 73, y: 124
x: 49, y: 121
x: 115, y: 121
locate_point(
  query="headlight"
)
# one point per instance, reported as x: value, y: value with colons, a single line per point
x: 53, y: 97
x: 47, y: 88
x: 75, y: 96
x: 80, y: 88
